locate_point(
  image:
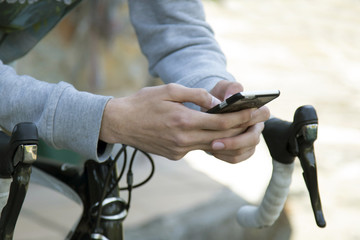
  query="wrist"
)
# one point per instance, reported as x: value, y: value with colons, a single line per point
x: 106, y: 132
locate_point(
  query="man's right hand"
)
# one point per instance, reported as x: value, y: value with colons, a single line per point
x: 156, y: 121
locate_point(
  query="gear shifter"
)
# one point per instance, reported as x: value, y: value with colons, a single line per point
x: 305, y: 130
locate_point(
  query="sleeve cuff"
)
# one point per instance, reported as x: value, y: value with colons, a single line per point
x: 73, y: 122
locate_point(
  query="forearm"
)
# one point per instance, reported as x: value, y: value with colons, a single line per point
x: 65, y: 117
x: 178, y: 43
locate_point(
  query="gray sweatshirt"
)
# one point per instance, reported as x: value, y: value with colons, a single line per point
x: 180, y: 48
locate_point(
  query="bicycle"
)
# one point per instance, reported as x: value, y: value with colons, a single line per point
x: 95, y: 186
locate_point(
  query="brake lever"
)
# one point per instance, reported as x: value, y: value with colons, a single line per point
x: 301, y: 144
x: 18, y: 153
x: 286, y: 141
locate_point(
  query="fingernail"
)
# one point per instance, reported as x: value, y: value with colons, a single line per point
x: 214, y: 101
x: 218, y: 146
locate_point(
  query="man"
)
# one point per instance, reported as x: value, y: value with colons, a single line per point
x: 181, y: 50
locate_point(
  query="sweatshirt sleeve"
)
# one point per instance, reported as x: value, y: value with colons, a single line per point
x: 178, y: 43
x: 66, y: 118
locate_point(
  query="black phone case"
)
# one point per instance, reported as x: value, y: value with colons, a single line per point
x: 239, y: 102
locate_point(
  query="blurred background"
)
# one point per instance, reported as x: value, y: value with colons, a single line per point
x: 309, y: 50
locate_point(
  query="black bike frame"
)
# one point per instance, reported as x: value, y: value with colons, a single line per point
x: 103, y: 211
x: 89, y: 183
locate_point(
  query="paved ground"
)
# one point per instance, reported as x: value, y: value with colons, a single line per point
x: 310, y: 51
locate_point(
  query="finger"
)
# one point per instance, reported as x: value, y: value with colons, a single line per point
x: 230, y: 153
x: 198, y: 96
x: 235, y: 158
x: 232, y: 89
x: 192, y: 140
x: 224, y: 89
x: 221, y: 122
x: 259, y: 115
x: 248, y: 139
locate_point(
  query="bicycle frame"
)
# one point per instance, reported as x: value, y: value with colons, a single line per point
x: 88, y: 183
x: 102, y: 215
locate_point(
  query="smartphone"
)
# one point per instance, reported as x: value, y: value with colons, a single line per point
x: 245, y: 100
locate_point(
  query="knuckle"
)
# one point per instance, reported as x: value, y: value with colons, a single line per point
x: 176, y: 154
x: 182, y: 121
x: 247, y: 116
x: 172, y: 89
x: 223, y: 124
x: 178, y: 157
x: 181, y: 140
x: 202, y: 93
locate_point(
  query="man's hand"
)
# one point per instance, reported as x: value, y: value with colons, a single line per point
x: 238, y: 147
x: 155, y: 120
